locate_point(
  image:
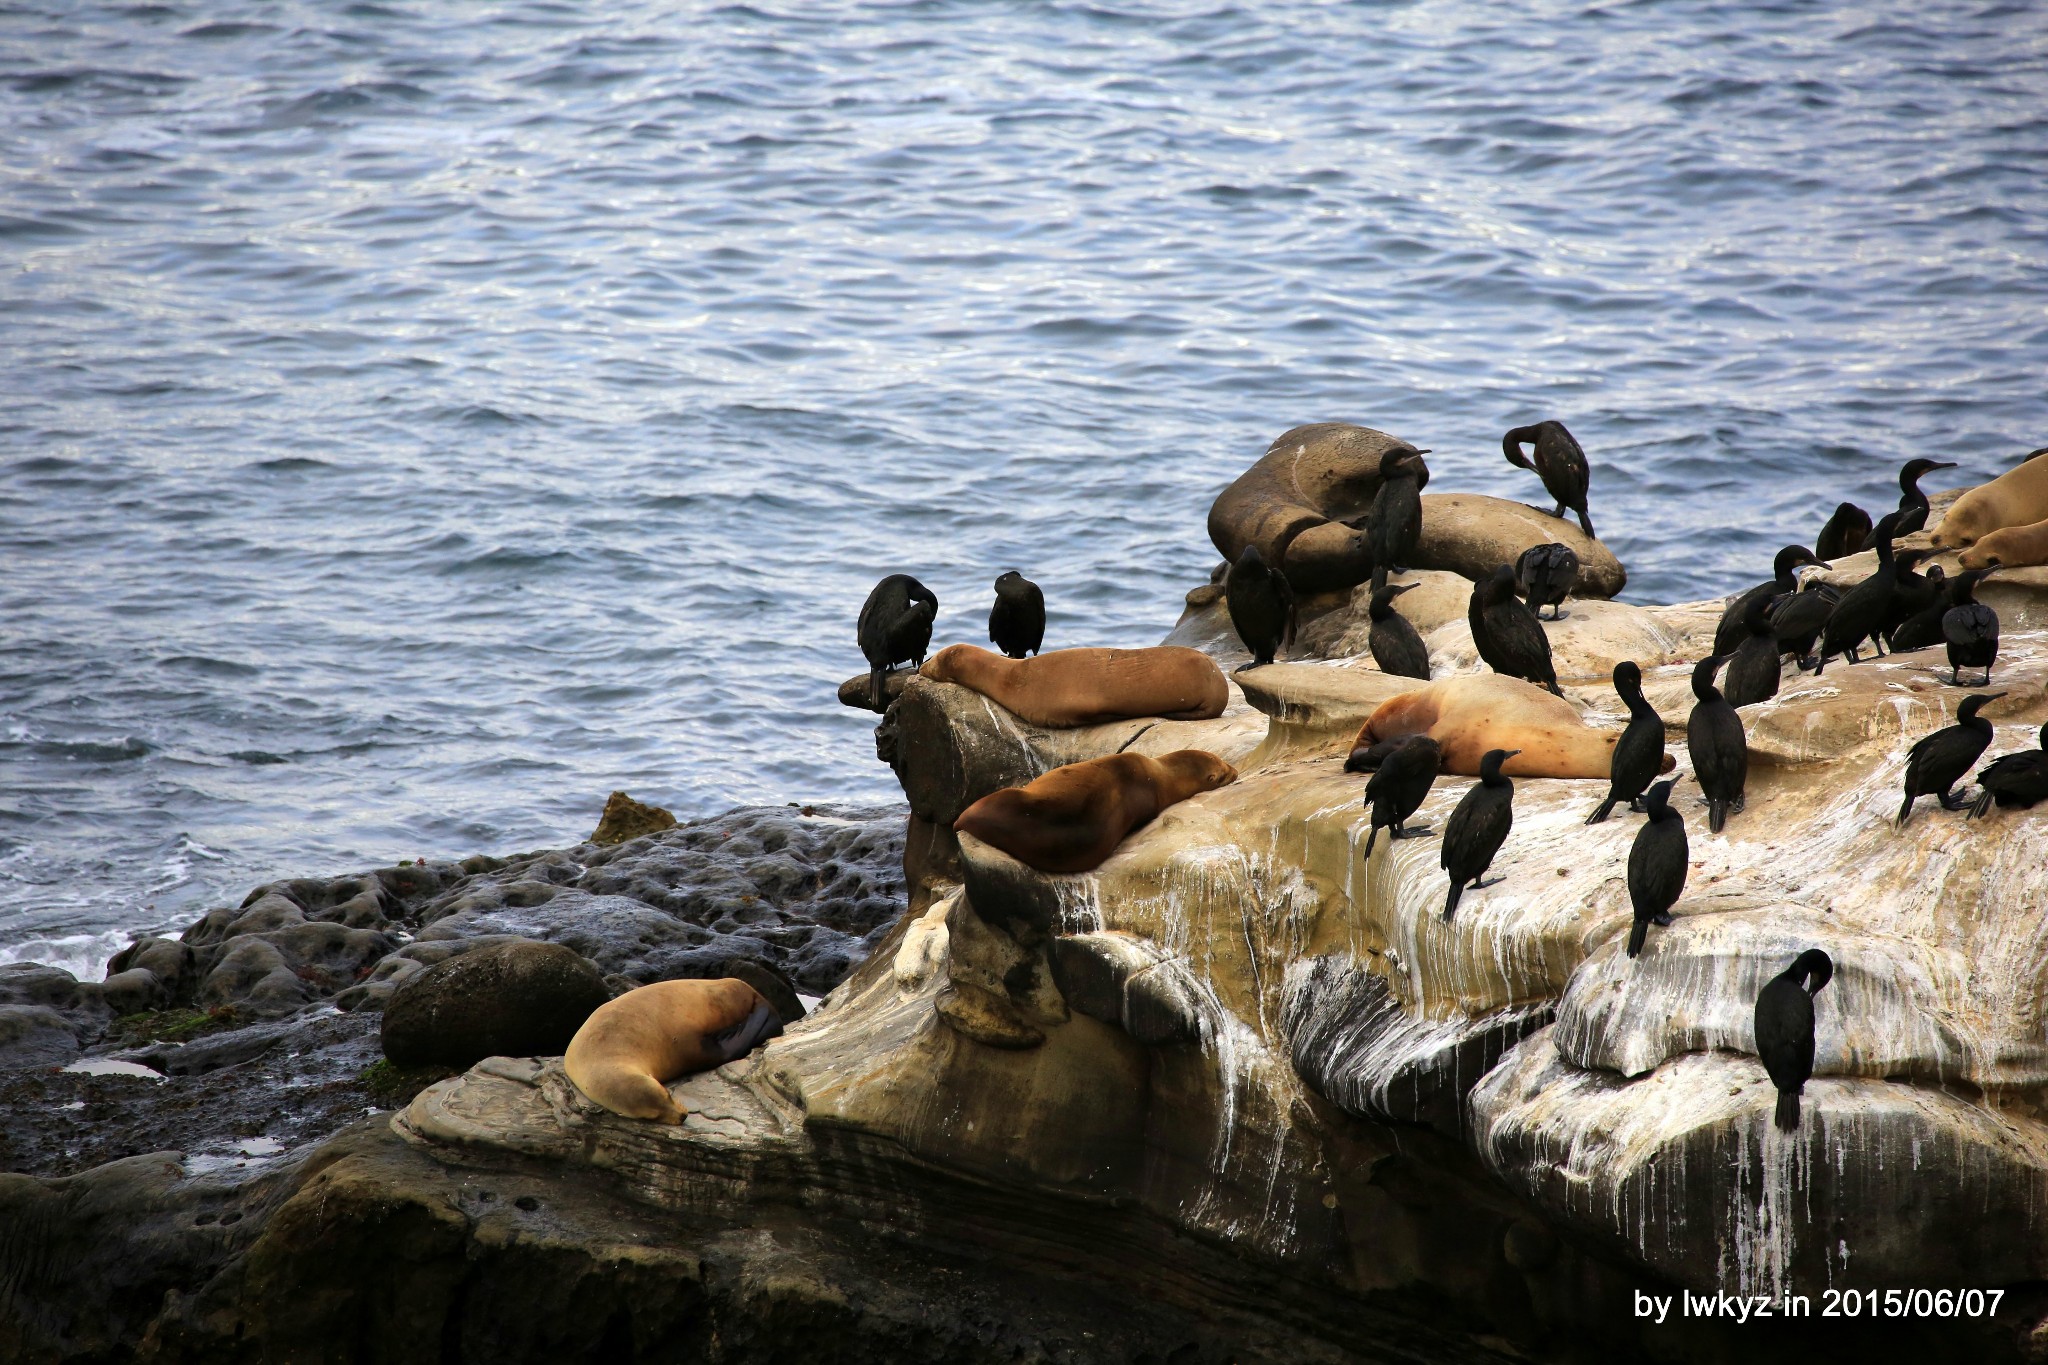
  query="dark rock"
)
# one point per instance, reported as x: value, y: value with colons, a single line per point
x: 518, y: 999
x: 165, y: 958
x: 624, y: 818
x: 134, y: 991
x: 35, y: 1035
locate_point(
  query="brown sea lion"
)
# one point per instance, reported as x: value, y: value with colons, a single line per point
x: 1473, y: 712
x: 1069, y: 687
x: 1293, y: 504
x: 2012, y: 547
x: 630, y: 1048
x: 2018, y: 497
x: 1074, y: 817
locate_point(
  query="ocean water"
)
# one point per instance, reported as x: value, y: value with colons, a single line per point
x: 423, y: 418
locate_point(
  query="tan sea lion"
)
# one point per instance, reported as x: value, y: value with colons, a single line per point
x: 2013, y: 547
x: 1069, y: 687
x: 1074, y: 817
x: 630, y: 1048
x: 2018, y: 497
x: 1474, y: 712
x: 1293, y: 504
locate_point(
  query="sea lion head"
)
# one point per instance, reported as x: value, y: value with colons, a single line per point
x: 1199, y: 769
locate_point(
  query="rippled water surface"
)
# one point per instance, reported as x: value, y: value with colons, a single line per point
x: 425, y: 418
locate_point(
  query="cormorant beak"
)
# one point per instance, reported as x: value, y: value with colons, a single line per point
x: 1510, y: 754
x: 1942, y: 464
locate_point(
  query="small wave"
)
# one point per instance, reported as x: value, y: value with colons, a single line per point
x: 206, y: 667
x: 83, y: 955
x: 227, y: 29
x: 257, y: 757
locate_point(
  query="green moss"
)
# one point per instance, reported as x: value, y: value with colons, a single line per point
x: 393, y: 1086
x: 172, y: 1026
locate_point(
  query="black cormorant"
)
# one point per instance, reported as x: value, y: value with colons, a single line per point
x: 895, y: 627
x: 1912, y: 502
x: 1754, y: 670
x: 1938, y: 761
x: 1396, y: 790
x: 1507, y: 634
x: 1640, y: 750
x: 1719, y: 749
x: 1394, y: 524
x: 1395, y: 645
x: 1845, y: 533
x: 1559, y: 463
x: 1016, y: 623
x: 1546, y: 575
x: 2016, y: 781
x: 1478, y: 827
x: 1261, y: 606
x: 1731, y: 632
x: 1656, y: 864
x: 1784, y: 1029
x: 1861, y: 613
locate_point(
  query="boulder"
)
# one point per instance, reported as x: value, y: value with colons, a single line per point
x: 624, y: 818
x: 517, y: 999
x: 1473, y: 534
x: 1299, y: 493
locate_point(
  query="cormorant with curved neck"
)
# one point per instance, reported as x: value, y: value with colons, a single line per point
x: 1261, y: 606
x: 1640, y: 750
x: 1016, y: 623
x: 1396, y: 646
x: 1546, y: 574
x: 1938, y: 761
x: 1657, y: 863
x: 1860, y: 615
x: 1394, y: 524
x: 1560, y: 463
x: 1846, y: 532
x: 1913, y: 593
x: 1784, y: 1029
x: 1507, y: 634
x: 1912, y: 502
x: 1719, y: 749
x: 1478, y: 827
x: 1971, y: 630
x: 1398, y: 787
x: 1799, y: 618
x: 2016, y: 781
x: 895, y: 627
x: 1754, y: 670
x: 1731, y: 632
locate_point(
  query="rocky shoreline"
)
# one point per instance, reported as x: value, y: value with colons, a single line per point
x: 1236, y: 1095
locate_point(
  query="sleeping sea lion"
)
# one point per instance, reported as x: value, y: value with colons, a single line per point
x: 1474, y: 712
x: 630, y: 1048
x: 1074, y: 817
x: 1070, y: 687
x: 1302, y: 504
x: 2018, y: 497
x: 2010, y: 547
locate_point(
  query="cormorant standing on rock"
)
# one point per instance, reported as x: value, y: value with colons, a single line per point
x: 1640, y: 750
x: 1656, y: 864
x: 1507, y: 634
x: 1394, y: 524
x: 1799, y: 618
x: 1478, y: 827
x: 1912, y: 502
x: 1396, y: 791
x: 1754, y: 670
x: 1016, y: 623
x: 895, y: 627
x: 1971, y: 629
x: 1939, y: 761
x: 1731, y: 632
x: 1860, y: 615
x: 1913, y: 593
x: 1922, y: 630
x: 1396, y: 647
x: 1559, y: 463
x: 1720, y: 750
x: 1261, y: 606
x: 2016, y: 781
x: 1784, y: 1029
x: 1546, y: 575
x: 1846, y: 532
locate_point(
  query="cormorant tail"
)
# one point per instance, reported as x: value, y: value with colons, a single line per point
x: 1451, y: 903
x: 1788, y: 1110
x: 1717, y: 814
x: 1586, y: 524
x: 1905, y: 809
x: 875, y: 686
x: 1369, y: 838
x: 1601, y: 811
x: 1982, y: 805
x: 1637, y: 935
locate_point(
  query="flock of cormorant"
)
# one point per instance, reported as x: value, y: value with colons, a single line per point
x: 1760, y: 627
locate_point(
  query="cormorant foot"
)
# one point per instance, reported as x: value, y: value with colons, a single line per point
x: 1662, y: 919
x: 1479, y: 885
x: 1411, y: 832
x: 1950, y: 801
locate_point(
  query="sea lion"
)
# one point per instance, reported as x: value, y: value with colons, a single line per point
x: 630, y: 1048
x: 1070, y: 687
x: 1473, y: 712
x: 2009, y: 547
x: 2018, y: 497
x: 1074, y: 817
x: 1296, y: 501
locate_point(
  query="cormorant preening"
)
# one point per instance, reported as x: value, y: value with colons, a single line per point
x: 895, y: 627
x: 1754, y: 670
x: 1720, y: 751
x: 1912, y: 502
x: 1860, y: 615
x: 1394, y: 524
x: 1546, y: 574
x: 1938, y: 761
x: 1261, y: 606
x: 1922, y: 630
x: 1846, y: 532
x: 1640, y: 750
x: 1016, y: 623
x: 1396, y: 647
x: 1507, y: 634
x: 1559, y: 463
x: 1784, y: 1029
x: 1971, y: 629
x: 2016, y: 781
x: 1396, y: 790
x: 1731, y: 632
x: 1478, y: 827
x: 1656, y: 864
x: 1799, y: 618
x: 1912, y: 593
